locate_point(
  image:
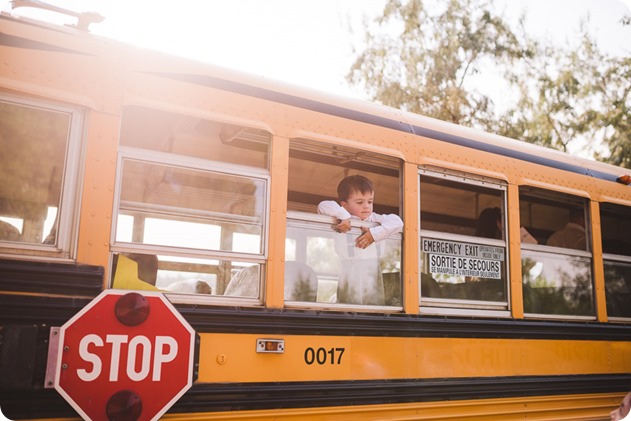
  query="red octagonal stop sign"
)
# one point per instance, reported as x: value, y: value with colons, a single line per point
x: 125, y: 356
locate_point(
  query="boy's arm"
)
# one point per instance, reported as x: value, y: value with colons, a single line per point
x: 388, y: 225
x: 332, y: 208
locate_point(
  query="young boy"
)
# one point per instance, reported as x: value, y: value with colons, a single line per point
x: 360, y: 280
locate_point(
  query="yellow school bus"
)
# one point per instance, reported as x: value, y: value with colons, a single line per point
x: 125, y: 168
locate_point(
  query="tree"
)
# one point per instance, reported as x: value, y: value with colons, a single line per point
x: 424, y: 70
x: 569, y: 95
x: 430, y: 65
x: 615, y: 86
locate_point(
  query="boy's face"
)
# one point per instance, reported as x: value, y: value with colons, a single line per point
x: 359, y: 204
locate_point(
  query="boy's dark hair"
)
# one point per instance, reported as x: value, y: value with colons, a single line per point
x: 351, y: 184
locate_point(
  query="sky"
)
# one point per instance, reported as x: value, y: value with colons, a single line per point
x: 307, y: 43
x: 312, y: 43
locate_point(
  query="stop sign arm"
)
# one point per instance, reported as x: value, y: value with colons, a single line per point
x: 119, y: 348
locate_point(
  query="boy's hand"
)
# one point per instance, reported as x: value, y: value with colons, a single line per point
x: 365, y: 239
x: 343, y: 226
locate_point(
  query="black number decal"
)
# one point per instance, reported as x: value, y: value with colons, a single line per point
x: 339, y: 356
x: 323, y: 356
x: 309, y: 356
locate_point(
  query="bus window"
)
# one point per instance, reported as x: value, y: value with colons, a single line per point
x: 615, y: 223
x: 39, y: 145
x: 556, y: 266
x: 192, y: 201
x: 463, y: 242
x: 321, y: 264
x: 194, y: 137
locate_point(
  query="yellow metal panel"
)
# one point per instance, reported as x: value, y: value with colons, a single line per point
x: 274, y: 288
x: 98, y: 189
x: 619, y: 357
x: 233, y: 358
x: 514, y: 252
x: 411, y: 236
x: 599, y: 271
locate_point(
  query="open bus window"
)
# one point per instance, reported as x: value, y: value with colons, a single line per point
x: 317, y: 257
x: 615, y: 223
x: 463, y: 241
x: 38, y: 155
x: 193, y: 195
x: 556, y: 269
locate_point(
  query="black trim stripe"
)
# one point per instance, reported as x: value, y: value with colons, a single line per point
x: 337, y: 111
x: 55, y: 311
x: 229, y: 397
x: 51, y: 278
x: 509, y: 153
x: 204, y: 397
x: 19, y: 42
x: 292, y: 100
x: 296, y: 322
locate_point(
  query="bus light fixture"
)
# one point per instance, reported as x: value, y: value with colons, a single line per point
x: 624, y: 179
x: 270, y: 346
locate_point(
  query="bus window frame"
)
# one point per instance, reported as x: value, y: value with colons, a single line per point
x: 614, y: 258
x: 548, y: 193
x: 196, y: 164
x: 369, y: 156
x: 546, y: 250
x: 65, y: 248
x: 318, y: 222
x: 464, y: 307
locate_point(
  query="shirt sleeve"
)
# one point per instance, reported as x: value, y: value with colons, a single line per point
x: 332, y: 208
x: 388, y: 225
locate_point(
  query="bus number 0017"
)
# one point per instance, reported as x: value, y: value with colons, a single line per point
x: 322, y: 356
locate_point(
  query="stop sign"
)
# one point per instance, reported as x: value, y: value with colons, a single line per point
x: 125, y: 356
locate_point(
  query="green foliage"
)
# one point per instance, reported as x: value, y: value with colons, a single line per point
x: 423, y: 70
x: 568, y: 95
x: 427, y: 63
